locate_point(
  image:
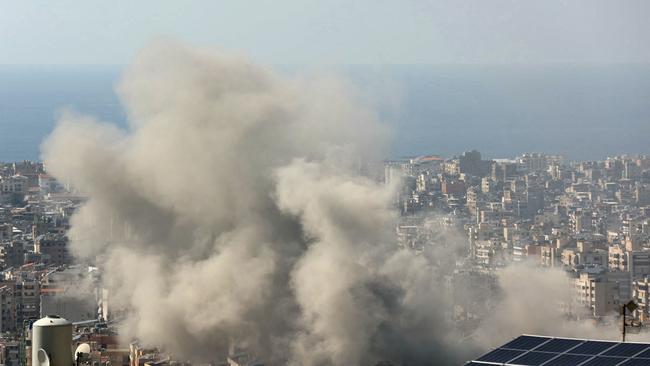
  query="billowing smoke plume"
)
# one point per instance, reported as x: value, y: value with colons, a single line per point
x: 541, y: 301
x: 231, y: 211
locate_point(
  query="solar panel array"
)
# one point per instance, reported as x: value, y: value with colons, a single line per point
x: 529, y: 350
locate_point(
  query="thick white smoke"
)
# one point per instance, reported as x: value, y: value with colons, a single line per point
x: 231, y: 209
x: 541, y: 301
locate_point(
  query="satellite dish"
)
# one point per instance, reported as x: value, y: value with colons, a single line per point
x: 43, y: 358
x: 82, y: 352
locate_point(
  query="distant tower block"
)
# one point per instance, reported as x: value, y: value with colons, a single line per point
x: 52, y: 342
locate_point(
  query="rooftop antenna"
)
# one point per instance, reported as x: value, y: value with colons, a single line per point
x: 631, y: 306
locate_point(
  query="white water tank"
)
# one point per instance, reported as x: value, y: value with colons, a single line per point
x: 52, y: 342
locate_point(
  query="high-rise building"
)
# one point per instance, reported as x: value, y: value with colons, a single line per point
x: 471, y: 163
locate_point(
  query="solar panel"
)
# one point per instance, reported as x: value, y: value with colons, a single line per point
x: 546, y: 351
x: 558, y: 345
x: 526, y: 342
x: 603, y: 361
x: 500, y: 355
x: 636, y: 362
x: 592, y: 347
x: 567, y: 360
x: 626, y: 349
x: 533, y: 358
x: 645, y: 354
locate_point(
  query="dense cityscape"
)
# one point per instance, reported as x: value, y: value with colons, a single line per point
x: 591, y: 219
x: 588, y: 218
x: 325, y: 183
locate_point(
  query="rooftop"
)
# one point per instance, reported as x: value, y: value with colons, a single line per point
x: 546, y: 351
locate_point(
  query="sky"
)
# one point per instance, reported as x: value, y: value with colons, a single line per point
x: 305, y: 32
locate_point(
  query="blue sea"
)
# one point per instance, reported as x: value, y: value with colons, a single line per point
x: 32, y: 98
x: 585, y: 112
